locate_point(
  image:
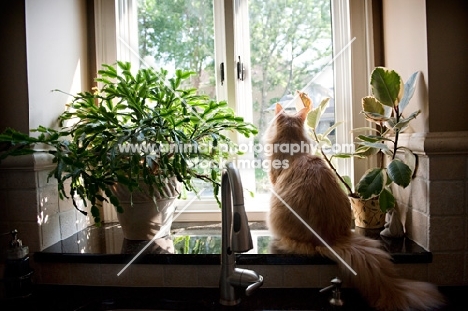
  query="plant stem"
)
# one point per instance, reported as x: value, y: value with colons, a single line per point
x: 397, y: 132
x: 350, y: 191
x: 380, y: 161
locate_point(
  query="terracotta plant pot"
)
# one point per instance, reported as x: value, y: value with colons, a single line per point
x: 367, y: 213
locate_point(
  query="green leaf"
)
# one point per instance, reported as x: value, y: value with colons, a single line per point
x: 388, y: 111
x: 373, y: 138
x: 331, y: 128
x: 115, y: 201
x: 372, y: 183
x: 410, y: 86
x: 94, y: 211
x: 342, y: 155
x: 373, y: 110
x: 403, y: 124
x: 214, y: 174
x: 399, y: 172
x: 386, y: 200
x: 376, y: 145
x: 364, y: 151
x: 348, y: 181
x: 390, y: 122
x: 375, y: 117
x: 366, y: 128
x: 313, y: 118
x: 324, y: 141
x: 410, y: 160
x: 370, y: 138
x: 370, y: 104
x: 386, y: 85
x: 109, y: 71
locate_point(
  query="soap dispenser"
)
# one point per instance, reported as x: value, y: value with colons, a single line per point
x: 17, y: 273
x: 335, y: 287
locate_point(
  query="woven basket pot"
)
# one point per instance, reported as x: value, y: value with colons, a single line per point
x: 367, y: 213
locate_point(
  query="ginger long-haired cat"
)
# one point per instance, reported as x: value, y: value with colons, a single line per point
x: 306, y: 183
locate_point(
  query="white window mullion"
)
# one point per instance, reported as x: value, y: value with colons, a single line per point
x: 343, y: 44
x: 243, y: 90
x: 220, y: 49
x: 106, y: 36
x: 127, y: 39
x: 116, y: 32
x: 362, y: 64
x: 105, y: 18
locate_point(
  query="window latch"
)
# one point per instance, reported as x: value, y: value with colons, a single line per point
x: 221, y: 69
x: 240, y: 70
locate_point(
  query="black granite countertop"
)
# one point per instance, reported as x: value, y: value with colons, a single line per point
x: 193, y: 243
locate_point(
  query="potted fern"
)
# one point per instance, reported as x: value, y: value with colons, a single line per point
x: 141, y: 134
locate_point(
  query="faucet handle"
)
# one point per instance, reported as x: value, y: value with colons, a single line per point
x: 254, y: 286
x: 246, y: 278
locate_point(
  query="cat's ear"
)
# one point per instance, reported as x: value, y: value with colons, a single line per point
x: 278, y: 109
x: 303, y: 113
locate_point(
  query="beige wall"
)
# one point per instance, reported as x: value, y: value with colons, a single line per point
x: 57, y: 56
x: 13, y: 73
x: 432, y: 37
x: 47, y: 49
x: 447, y: 45
x: 405, y: 50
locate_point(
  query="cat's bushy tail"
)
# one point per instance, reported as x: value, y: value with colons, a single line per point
x: 377, y: 279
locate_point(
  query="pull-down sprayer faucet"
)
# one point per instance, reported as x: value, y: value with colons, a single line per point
x: 235, y: 238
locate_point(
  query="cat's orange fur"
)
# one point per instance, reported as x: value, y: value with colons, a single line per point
x: 310, y: 187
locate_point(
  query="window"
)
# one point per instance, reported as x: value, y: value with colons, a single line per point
x: 266, y: 51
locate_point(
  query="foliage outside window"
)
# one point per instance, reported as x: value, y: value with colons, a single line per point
x: 290, y: 48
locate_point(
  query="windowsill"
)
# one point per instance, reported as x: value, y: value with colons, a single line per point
x: 206, y: 209
x: 107, y: 245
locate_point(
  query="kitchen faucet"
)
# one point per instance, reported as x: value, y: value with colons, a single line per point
x: 236, y: 238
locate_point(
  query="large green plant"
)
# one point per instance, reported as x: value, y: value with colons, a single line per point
x: 384, y: 107
x: 136, y: 127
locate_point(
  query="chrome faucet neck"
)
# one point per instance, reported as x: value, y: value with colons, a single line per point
x: 235, y: 223
x: 235, y: 238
